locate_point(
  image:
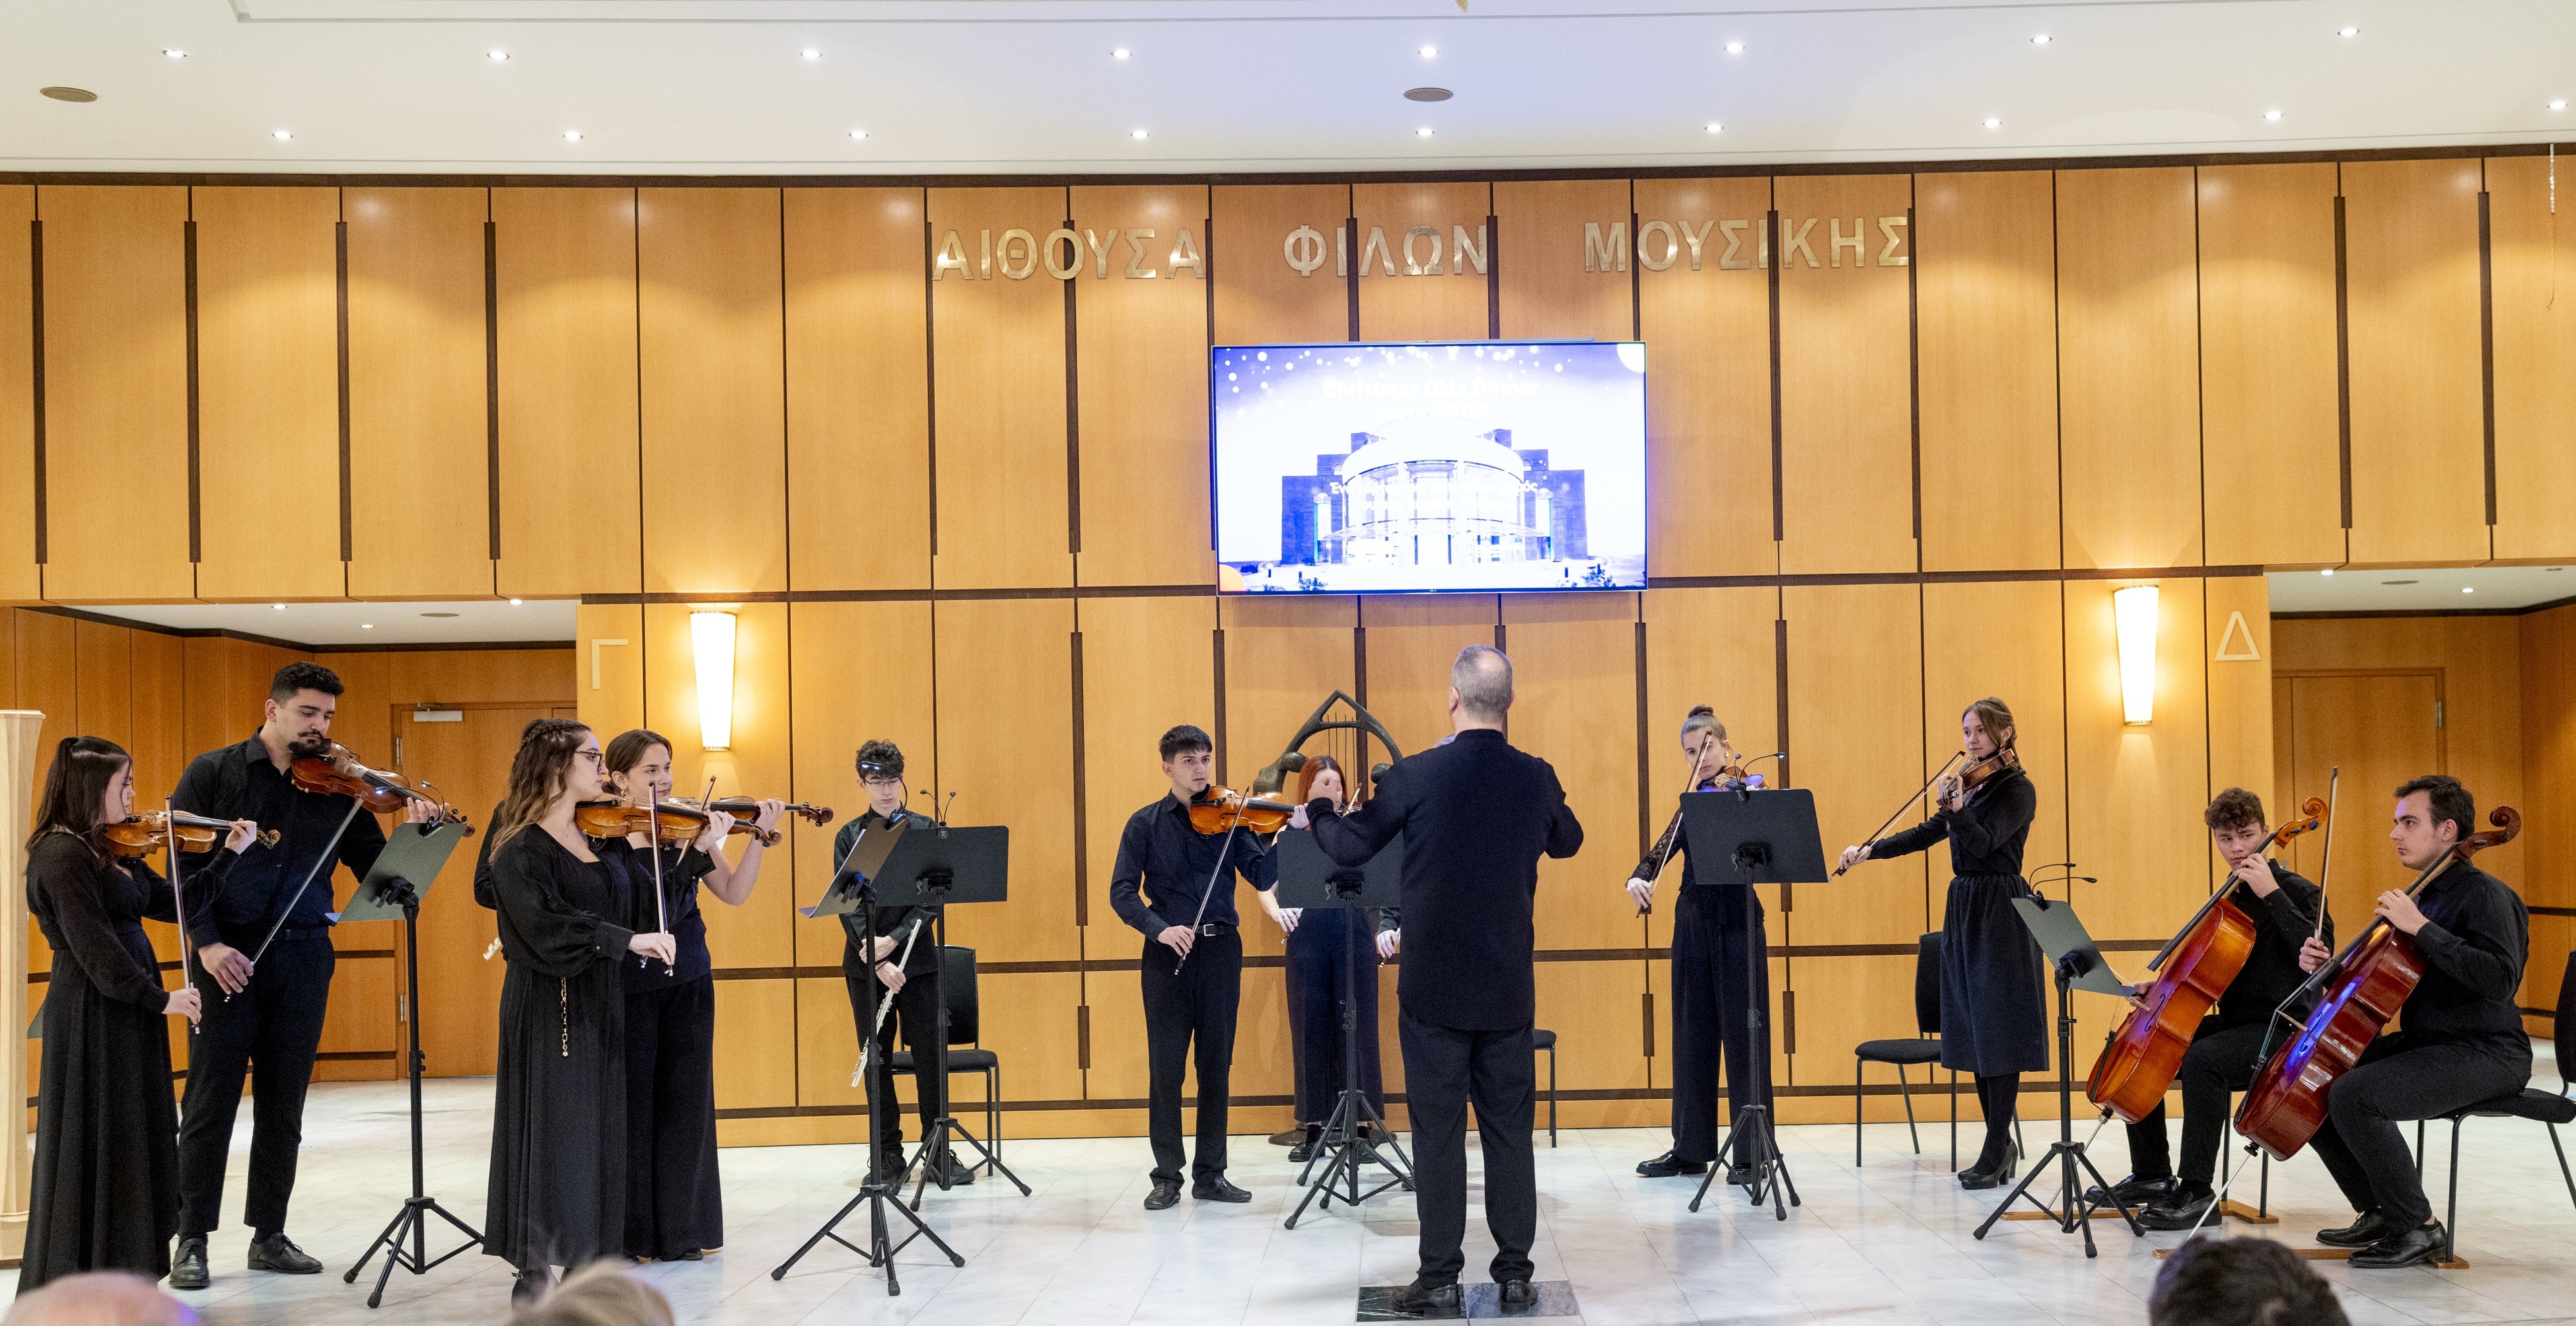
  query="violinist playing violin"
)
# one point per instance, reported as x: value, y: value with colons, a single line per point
x: 902, y: 956
x: 674, y: 1208
x: 1711, y: 950
x: 1175, y: 884
x: 2459, y: 1039
x: 2223, y: 1054
x: 265, y: 1021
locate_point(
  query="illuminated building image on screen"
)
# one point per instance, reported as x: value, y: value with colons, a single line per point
x: 1482, y: 466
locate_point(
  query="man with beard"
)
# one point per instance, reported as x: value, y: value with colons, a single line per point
x: 268, y: 1018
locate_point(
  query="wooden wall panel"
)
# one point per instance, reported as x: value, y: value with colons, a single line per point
x: 2240, y: 688
x: 47, y: 683
x: 1283, y: 656
x: 18, y: 578
x: 755, y: 1061
x: 116, y: 402
x: 564, y: 279
x: 713, y: 365
x: 1845, y: 401
x: 227, y: 683
x: 856, y: 672
x: 2005, y: 640
x: 1716, y: 647
x: 103, y: 682
x: 858, y: 389
x: 268, y: 374
x: 2129, y: 360
x: 1598, y: 1014
x: 1142, y: 360
x: 1708, y: 387
x: 2549, y: 760
x: 2418, y: 449
x: 463, y: 675
x: 1412, y: 642
x: 608, y: 666
x: 419, y: 405
x: 1574, y: 657
x: 998, y: 348
x: 1125, y: 641
x: 157, y: 735
x: 760, y: 932
x: 2271, y: 486
x: 1842, y: 1001
x: 2535, y: 365
x: 1260, y: 299
x: 1856, y: 667
x: 1986, y: 324
x: 1005, y: 724
x: 1446, y: 306
x: 1545, y: 290
x: 2135, y: 793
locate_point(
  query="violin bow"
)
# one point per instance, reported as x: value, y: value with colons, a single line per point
x: 1224, y: 854
x: 1908, y: 802
x: 178, y: 899
x: 2325, y: 862
x: 1672, y: 831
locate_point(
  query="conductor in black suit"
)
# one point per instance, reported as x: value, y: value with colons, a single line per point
x: 1475, y: 814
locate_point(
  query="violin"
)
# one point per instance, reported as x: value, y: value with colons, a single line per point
x: 2361, y: 991
x: 1219, y: 809
x: 1974, y: 773
x: 2139, y: 1061
x: 337, y: 772
x: 680, y: 820
x: 141, y: 835
x: 746, y: 809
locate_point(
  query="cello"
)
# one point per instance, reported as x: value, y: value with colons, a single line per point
x: 2363, y: 987
x: 2194, y: 969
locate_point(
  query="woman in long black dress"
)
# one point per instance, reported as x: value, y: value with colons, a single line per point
x: 1320, y: 949
x: 1993, y: 1008
x: 106, y: 1191
x: 674, y: 1202
x: 558, y: 1189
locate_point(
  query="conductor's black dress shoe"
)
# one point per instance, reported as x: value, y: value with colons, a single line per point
x: 1518, y: 1296
x: 1166, y: 1194
x: 1668, y: 1164
x: 1216, y: 1189
x: 1421, y: 1300
x: 188, y: 1270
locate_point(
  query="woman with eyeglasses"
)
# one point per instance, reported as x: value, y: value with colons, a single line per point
x: 558, y: 1188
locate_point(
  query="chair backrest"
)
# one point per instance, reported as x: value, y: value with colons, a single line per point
x: 1927, y: 984
x: 964, y: 1004
x: 2564, y: 1033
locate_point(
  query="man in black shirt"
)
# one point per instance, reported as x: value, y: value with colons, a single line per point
x: 2283, y: 906
x: 901, y: 955
x: 1475, y: 814
x: 2459, y: 1039
x: 1193, y: 965
x: 269, y: 1017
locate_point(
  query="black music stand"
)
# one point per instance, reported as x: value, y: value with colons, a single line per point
x: 1310, y: 879
x: 413, y: 852
x: 1770, y: 837
x: 851, y: 891
x: 2077, y: 963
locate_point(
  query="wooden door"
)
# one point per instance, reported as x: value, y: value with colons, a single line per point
x: 466, y: 751
x: 2382, y: 728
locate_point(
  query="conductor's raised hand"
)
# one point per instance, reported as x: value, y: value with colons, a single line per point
x: 1853, y: 856
x: 1642, y: 892
x: 186, y: 1003
x: 1177, y: 938
x: 243, y: 832
x: 656, y: 944
x: 2313, y: 954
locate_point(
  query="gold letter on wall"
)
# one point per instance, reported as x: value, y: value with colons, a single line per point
x: 1599, y: 256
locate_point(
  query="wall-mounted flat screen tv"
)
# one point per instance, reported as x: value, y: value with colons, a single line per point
x: 1408, y: 468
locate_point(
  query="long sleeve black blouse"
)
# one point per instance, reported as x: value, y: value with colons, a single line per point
x: 92, y: 912
x: 1986, y: 838
x: 557, y: 912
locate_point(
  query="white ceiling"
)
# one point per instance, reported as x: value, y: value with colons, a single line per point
x: 478, y: 621
x: 963, y: 86
x: 2436, y: 590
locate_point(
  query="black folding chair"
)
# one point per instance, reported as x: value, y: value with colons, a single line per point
x: 2549, y: 1109
x: 965, y: 1030
x: 1922, y: 1048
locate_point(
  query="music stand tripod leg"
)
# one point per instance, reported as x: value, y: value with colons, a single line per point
x: 933, y: 1156
x: 1753, y: 1122
x: 2066, y: 1153
x: 412, y: 1222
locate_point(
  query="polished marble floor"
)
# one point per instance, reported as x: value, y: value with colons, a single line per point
x: 1888, y: 1241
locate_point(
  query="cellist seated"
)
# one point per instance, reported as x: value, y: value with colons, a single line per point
x: 2225, y: 1050
x: 2459, y: 1039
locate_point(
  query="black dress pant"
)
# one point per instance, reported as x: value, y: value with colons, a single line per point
x: 916, y: 1017
x: 1189, y: 1018
x: 1710, y: 1017
x: 1320, y: 954
x: 2396, y: 1079
x: 269, y: 1031
x: 1444, y: 1069
x: 674, y: 1199
x: 2219, y: 1063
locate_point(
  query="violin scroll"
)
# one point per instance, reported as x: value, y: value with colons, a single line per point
x: 1219, y: 809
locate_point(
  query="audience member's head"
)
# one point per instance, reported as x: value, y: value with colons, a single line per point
x: 100, y: 1298
x: 600, y: 1294
x: 2240, y: 1282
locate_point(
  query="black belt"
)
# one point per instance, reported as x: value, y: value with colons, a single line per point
x: 294, y: 932
x: 1215, y: 928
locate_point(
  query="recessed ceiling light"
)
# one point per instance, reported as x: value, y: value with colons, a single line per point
x: 2347, y: 31
x: 2397, y: 582
x: 1137, y: 134
x: 1993, y: 123
x: 2559, y: 104
x: 1715, y: 127
x: 281, y: 135
x: 1423, y: 132
x: 366, y: 626
x: 67, y: 93
x: 813, y: 54
x: 858, y: 133
x: 1427, y: 94
x: 1430, y: 52
x: 572, y: 135
x: 2274, y: 116
x: 280, y: 607
x: 2040, y: 39
x: 2468, y: 589
x: 174, y: 52
x: 1735, y: 48
x: 514, y: 603
x: 496, y: 55
x: 1120, y: 54
x: 2326, y: 572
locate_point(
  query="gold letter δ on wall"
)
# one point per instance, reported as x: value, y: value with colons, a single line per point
x: 2236, y: 630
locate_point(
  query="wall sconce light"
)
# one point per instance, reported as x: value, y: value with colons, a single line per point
x: 2133, y: 610
x: 711, y: 633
